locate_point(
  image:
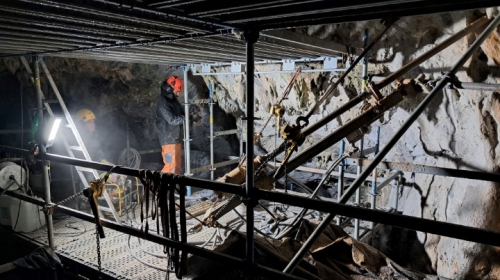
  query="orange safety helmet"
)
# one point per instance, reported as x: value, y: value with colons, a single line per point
x: 176, y: 83
x: 85, y: 115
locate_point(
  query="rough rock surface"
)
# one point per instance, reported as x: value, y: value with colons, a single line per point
x: 458, y: 130
x: 122, y: 95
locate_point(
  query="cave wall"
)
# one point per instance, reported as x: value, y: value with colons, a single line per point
x: 458, y: 130
x: 121, y: 95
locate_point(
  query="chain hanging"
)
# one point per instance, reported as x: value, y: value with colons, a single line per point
x: 276, y: 109
x: 286, y: 180
x: 98, y: 247
x: 286, y: 191
x: 270, y: 156
x: 233, y: 196
x: 48, y: 209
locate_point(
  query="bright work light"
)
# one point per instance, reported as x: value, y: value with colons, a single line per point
x: 53, y: 131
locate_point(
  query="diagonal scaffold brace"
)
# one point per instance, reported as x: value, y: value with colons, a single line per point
x: 293, y: 135
x: 447, y: 78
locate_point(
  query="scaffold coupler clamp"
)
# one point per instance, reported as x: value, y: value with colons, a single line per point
x: 277, y: 110
x: 375, y: 92
x: 452, y: 78
x: 294, y: 138
x: 34, y: 149
x: 249, y: 202
x: 373, y: 194
x: 423, y: 84
x: 352, y: 150
x: 448, y: 75
x: 93, y: 192
x: 92, y: 198
x: 48, y: 209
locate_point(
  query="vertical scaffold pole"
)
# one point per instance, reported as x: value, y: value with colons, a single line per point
x: 211, y: 106
x: 250, y: 37
x: 41, y: 143
x: 364, y: 88
x: 374, y: 183
x: 187, y: 140
x: 340, y: 182
x: 357, y: 198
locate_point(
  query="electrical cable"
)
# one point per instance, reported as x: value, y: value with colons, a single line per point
x: 38, y: 230
x: 141, y: 261
x: 210, y: 239
x: 149, y: 252
x: 127, y: 209
x: 302, y: 213
x: 18, y: 210
x: 68, y: 234
x: 129, y: 249
x: 130, y: 157
x: 6, y: 189
x: 201, y: 243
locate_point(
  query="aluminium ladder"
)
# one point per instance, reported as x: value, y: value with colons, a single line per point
x: 69, y: 148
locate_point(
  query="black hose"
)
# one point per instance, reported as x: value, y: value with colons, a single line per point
x: 302, y: 213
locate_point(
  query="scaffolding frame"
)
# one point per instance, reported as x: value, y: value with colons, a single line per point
x: 419, y: 224
x: 251, y: 194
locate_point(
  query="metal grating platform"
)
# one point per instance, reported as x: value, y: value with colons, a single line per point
x: 78, y: 242
x: 76, y: 239
x: 124, y: 257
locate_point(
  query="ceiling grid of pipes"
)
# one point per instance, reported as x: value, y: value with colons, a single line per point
x: 183, y: 32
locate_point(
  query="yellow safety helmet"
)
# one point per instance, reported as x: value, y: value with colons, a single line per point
x: 85, y: 115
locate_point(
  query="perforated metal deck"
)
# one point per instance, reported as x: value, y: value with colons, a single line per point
x: 76, y: 239
x: 124, y: 257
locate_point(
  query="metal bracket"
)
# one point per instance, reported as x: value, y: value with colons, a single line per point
x: 405, y: 86
x: 330, y: 63
x: 237, y: 67
x: 288, y: 65
x: 250, y: 36
x: 420, y: 80
x: 205, y: 68
x: 192, y: 67
x: 375, y: 92
x: 226, y: 132
x: 356, y: 135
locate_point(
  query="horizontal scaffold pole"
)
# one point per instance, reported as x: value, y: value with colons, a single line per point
x: 231, y: 261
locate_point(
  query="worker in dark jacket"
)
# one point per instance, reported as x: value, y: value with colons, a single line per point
x: 169, y: 122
